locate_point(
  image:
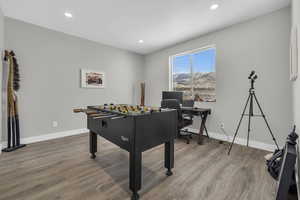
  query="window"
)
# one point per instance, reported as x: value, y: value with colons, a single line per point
x: 194, y: 73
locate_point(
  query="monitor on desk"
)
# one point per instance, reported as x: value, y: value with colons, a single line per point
x: 173, y: 95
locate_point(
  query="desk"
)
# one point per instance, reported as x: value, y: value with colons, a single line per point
x: 203, y: 113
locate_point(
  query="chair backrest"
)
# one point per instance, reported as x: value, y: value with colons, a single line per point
x: 172, y: 104
x: 188, y: 103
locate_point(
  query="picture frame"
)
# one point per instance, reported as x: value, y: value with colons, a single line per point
x: 92, y: 79
x: 294, y: 54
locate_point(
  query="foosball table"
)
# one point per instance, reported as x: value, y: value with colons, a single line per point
x: 134, y: 129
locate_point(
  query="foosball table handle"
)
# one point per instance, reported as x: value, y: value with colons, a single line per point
x: 86, y: 111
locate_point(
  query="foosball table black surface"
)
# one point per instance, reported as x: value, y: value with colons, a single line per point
x: 134, y: 129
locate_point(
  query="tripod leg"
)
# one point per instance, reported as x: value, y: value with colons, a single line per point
x: 249, y: 117
x: 238, y: 127
x: 263, y: 115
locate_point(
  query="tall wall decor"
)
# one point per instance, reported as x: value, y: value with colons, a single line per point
x: 143, y: 94
x: 13, y: 85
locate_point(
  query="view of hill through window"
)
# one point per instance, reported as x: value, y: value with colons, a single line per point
x: 195, y: 75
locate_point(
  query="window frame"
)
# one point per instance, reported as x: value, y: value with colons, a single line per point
x: 198, y: 50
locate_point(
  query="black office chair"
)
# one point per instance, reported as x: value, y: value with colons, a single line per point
x: 182, y: 121
x: 190, y: 104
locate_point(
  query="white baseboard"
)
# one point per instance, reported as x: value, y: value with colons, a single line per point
x: 218, y: 136
x: 241, y: 141
x: 49, y: 136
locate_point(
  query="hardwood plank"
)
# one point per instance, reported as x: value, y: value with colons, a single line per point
x: 62, y: 169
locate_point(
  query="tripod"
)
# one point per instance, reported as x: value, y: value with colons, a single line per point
x: 250, y: 100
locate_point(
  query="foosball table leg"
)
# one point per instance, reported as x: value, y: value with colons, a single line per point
x: 135, y: 196
x: 93, y: 144
x: 169, y: 157
x: 169, y: 172
x: 135, y: 174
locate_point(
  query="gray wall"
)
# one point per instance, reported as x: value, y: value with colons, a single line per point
x: 296, y: 84
x: 51, y: 61
x: 1, y: 50
x: 50, y: 64
x: 261, y: 44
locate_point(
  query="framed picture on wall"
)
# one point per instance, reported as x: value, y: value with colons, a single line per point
x: 294, y: 54
x: 92, y: 79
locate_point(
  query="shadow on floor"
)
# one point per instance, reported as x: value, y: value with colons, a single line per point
x: 116, y: 165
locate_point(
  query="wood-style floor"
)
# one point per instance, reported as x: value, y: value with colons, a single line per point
x: 62, y: 169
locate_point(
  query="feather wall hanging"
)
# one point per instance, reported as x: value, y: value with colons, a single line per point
x: 13, y: 85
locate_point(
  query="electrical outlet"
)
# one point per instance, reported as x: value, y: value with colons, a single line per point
x: 55, y: 124
x: 222, y: 125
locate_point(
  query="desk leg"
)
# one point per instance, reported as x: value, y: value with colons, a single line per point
x: 135, y: 174
x: 169, y: 157
x: 93, y: 144
x: 203, y: 121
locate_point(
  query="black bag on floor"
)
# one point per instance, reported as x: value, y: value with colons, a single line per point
x: 274, y: 164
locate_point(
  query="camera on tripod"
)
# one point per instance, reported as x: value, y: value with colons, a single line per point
x: 250, y: 102
x: 252, y: 77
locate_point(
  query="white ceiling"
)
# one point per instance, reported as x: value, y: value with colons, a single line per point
x: 121, y: 23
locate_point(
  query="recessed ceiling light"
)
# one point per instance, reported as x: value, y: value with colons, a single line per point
x: 141, y: 41
x: 68, y: 15
x: 214, y: 6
